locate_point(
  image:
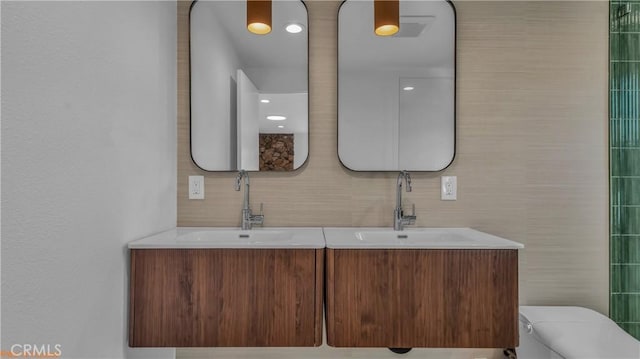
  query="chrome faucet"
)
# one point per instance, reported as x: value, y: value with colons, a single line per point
x: 248, y: 218
x: 399, y: 219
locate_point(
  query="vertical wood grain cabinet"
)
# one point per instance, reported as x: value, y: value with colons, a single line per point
x: 409, y: 298
x: 226, y: 297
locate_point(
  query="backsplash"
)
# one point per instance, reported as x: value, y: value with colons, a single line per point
x: 624, y: 70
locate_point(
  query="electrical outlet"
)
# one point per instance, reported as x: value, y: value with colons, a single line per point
x: 196, y: 187
x: 449, y: 188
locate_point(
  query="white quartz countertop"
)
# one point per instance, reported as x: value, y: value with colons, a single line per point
x: 335, y: 238
x: 414, y: 238
x: 218, y: 237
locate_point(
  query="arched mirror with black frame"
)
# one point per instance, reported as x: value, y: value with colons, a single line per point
x: 397, y: 93
x: 248, y: 92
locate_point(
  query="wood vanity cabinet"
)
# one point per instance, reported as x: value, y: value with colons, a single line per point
x: 226, y: 297
x: 405, y: 298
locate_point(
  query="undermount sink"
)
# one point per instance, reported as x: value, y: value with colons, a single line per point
x: 215, y: 237
x: 250, y: 237
x: 415, y: 238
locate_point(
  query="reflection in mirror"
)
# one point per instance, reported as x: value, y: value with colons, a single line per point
x: 249, y: 97
x: 396, y: 102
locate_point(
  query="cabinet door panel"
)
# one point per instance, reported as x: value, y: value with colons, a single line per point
x: 223, y: 297
x: 426, y: 298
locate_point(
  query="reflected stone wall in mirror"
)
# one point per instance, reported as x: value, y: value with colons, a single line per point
x: 238, y: 79
x: 396, y: 102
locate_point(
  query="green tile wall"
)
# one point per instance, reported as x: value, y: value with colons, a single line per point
x: 624, y: 131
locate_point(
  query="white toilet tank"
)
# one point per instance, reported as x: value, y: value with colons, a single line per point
x: 572, y: 333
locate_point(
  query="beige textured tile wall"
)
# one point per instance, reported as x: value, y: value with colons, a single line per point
x: 532, y: 160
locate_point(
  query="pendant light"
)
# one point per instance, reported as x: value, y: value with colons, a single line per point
x: 386, y: 14
x: 259, y: 16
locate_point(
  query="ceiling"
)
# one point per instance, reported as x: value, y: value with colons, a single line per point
x: 278, y: 49
x: 360, y: 49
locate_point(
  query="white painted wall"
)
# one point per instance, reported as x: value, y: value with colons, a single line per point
x: 368, y: 120
x: 248, y: 127
x: 88, y: 164
x: 425, y: 123
x: 215, y: 61
x: 300, y: 148
x: 369, y: 108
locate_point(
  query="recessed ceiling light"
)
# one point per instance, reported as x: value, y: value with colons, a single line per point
x: 408, y: 88
x: 259, y: 28
x: 276, y: 118
x: 280, y: 126
x: 294, y: 28
x: 265, y: 101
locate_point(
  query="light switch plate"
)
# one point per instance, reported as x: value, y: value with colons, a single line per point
x: 196, y: 187
x: 449, y: 188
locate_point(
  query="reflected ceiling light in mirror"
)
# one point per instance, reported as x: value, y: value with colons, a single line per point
x: 386, y: 17
x: 264, y: 100
x: 276, y: 118
x: 408, y: 88
x: 259, y: 16
x: 280, y: 126
x: 294, y: 28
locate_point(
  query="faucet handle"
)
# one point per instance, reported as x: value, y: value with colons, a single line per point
x: 258, y: 218
x: 410, y: 219
x: 237, y: 183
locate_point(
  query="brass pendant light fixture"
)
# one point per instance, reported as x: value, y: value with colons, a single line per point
x: 386, y: 14
x: 259, y: 16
